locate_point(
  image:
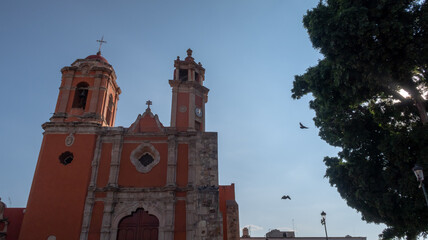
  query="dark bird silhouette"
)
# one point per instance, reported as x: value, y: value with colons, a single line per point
x: 286, y: 197
x: 302, y: 126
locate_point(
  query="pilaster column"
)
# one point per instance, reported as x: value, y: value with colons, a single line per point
x: 65, y: 90
x: 107, y: 215
x: 192, y: 75
x: 176, y: 74
x: 191, y: 109
x: 192, y: 162
x: 87, y: 215
x: 95, y: 94
x: 89, y: 202
x: 168, y: 228
x: 191, y: 216
x: 102, y: 92
x: 95, y: 162
x: 204, y: 100
x: 115, y: 160
x: 172, y: 161
x: 174, y: 107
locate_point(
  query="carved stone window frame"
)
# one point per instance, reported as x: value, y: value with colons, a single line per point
x: 140, y: 151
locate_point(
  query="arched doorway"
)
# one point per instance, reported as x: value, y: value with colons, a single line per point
x: 140, y: 225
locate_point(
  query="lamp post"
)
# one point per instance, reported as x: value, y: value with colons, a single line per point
x: 323, y: 214
x: 418, y: 170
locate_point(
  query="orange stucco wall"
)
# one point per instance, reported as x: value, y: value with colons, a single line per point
x: 182, y: 179
x: 96, y: 221
x: 225, y: 193
x: 182, y: 165
x: 14, y: 217
x: 130, y: 177
x: 148, y: 124
x: 182, y: 117
x: 57, y: 196
x: 198, y: 101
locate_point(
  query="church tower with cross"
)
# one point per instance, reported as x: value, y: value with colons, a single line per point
x: 88, y: 92
x: 95, y: 180
x: 188, y: 95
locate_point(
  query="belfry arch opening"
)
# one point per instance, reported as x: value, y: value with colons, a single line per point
x: 80, y: 95
x: 139, y: 225
x: 183, y: 74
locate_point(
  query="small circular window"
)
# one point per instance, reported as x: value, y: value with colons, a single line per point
x: 66, y: 158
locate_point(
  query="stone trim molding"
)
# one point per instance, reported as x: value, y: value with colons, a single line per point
x: 89, y: 202
x: 115, y: 160
x: 139, y: 152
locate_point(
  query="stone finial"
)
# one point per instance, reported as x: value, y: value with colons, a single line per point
x: 189, y: 55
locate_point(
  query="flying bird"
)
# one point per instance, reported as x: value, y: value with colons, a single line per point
x: 302, y: 126
x: 286, y: 197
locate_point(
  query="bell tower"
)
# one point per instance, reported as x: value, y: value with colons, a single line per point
x: 188, y: 95
x: 88, y: 92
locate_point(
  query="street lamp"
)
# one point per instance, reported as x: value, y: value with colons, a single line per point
x: 323, y: 214
x: 418, y: 170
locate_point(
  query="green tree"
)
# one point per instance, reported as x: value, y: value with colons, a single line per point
x: 373, y: 49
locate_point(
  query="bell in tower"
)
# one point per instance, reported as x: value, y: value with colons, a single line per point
x: 188, y: 95
x: 88, y: 92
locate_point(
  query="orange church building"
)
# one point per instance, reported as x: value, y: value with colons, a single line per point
x: 94, y: 180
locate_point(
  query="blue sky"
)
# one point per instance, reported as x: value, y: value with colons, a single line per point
x: 251, y: 51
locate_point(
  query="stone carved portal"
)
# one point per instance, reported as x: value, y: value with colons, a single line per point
x: 139, y: 225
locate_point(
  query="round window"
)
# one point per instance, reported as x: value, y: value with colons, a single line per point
x: 66, y: 158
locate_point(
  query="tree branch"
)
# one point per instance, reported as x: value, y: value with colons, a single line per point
x: 419, y: 102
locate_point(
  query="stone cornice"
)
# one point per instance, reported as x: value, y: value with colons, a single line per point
x: 188, y: 64
x: 188, y: 84
x: 65, y: 127
x: 96, y: 128
x: 144, y: 189
x: 94, y: 61
x: 89, y: 88
x: 67, y: 68
x: 103, y: 69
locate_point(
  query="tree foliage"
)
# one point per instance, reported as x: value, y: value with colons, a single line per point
x: 372, y: 49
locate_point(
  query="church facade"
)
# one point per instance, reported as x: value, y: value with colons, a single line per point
x: 146, y: 181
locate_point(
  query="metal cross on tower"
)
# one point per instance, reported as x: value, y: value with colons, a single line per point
x: 148, y: 103
x: 101, y: 43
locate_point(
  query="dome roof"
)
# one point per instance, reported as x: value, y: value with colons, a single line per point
x: 98, y: 56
